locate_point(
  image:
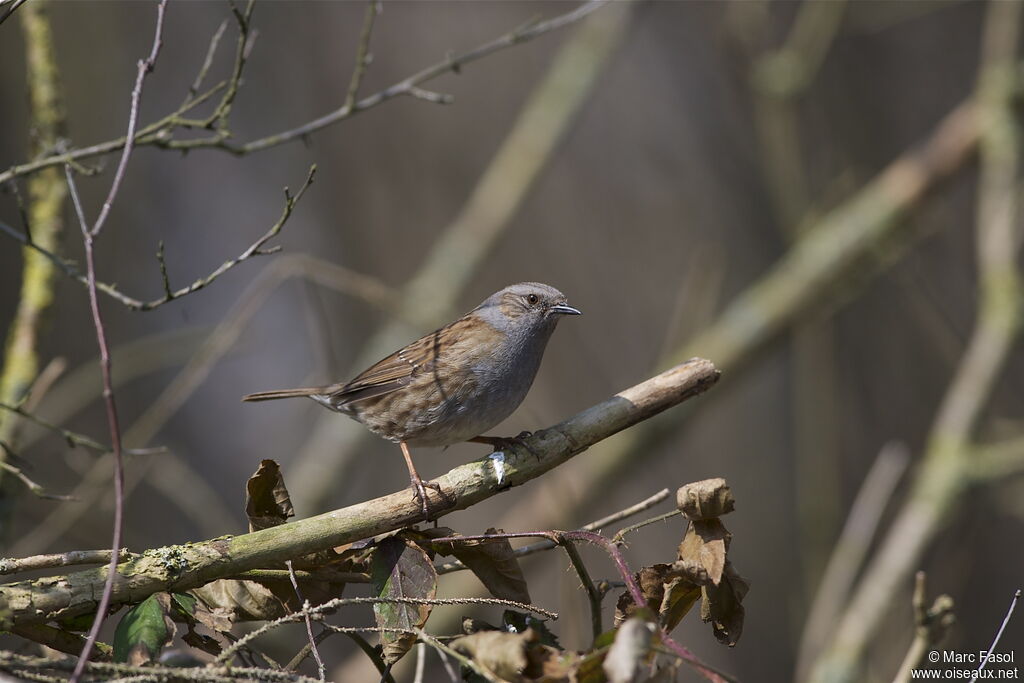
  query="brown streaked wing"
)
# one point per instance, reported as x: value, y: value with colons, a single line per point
x: 397, y: 370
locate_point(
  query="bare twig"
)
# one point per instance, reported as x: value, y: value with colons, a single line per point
x: 363, y: 58
x: 89, y: 235
x: 594, y: 595
x: 931, y: 625
x: 596, y: 525
x: 72, y: 557
x: 72, y: 438
x: 253, y: 250
x: 309, y: 621
x: 467, y: 662
x: 308, y: 611
x: 207, y: 63
x: 620, y: 535
x: 23, y: 666
x: 37, y: 490
x: 421, y: 662
x: 159, y: 133
x: 999, y: 634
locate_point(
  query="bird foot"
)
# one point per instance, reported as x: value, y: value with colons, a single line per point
x: 419, y: 493
x: 500, y: 443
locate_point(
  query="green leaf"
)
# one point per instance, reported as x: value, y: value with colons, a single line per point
x: 143, y: 631
x: 401, y: 569
x: 185, y: 603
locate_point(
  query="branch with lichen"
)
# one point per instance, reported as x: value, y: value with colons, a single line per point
x: 195, y: 564
x: 43, y: 215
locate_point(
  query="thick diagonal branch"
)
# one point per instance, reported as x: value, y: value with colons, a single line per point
x: 188, y: 566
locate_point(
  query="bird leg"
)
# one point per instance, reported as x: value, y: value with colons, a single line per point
x: 499, y: 443
x: 419, y: 487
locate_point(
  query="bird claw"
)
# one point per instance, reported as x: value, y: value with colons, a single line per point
x: 419, y: 493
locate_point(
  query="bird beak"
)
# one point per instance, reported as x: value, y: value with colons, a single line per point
x: 564, y: 309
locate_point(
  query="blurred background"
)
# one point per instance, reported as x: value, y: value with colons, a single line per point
x: 672, y: 155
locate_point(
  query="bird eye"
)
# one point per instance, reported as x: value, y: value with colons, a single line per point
x: 532, y: 299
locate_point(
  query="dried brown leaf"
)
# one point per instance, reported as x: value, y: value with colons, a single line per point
x: 267, y: 502
x: 232, y: 601
x: 502, y: 654
x: 705, y: 544
x: 705, y: 499
x: 492, y: 561
x: 723, y: 606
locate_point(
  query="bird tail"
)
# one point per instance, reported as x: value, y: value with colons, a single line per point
x: 283, y: 393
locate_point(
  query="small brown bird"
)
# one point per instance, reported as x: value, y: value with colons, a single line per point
x: 455, y: 383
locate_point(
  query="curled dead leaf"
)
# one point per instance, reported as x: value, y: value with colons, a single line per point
x: 723, y: 606
x: 705, y: 499
x: 267, y: 502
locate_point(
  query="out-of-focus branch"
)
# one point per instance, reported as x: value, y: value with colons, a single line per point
x: 839, y: 249
x: 943, y: 476
x: 160, y: 133
x: 458, y: 253
x: 850, y: 550
x: 46, y: 196
x: 199, y: 563
x: 844, y: 246
x: 931, y: 624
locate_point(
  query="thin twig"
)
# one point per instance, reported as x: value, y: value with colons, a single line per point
x: 207, y: 62
x: 930, y: 627
x: 594, y: 595
x: 309, y: 622
x: 35, y: 488
x: 362, y: 53
x: 465, y: 661
x: 72, y: 438
x: 421, y: 661
x: 10, y: 661
x: 999, y: 634
x: 72, y: 557
x: 596, y: 525
x: 158, y: 134
x: 560, y: 537
x: 621, y: 534
x: 88, y: 237
x: 306, y: 610
x: 254, y: 249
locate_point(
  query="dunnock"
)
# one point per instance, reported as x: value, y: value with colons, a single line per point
x: 453, y: 384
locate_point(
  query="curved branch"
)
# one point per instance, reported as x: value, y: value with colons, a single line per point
x: 184, y: 567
